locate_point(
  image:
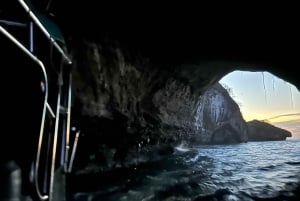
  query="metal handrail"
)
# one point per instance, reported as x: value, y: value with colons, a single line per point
x: 13, y: 23
x: 46, y: 106
x: 40, y: 63
x: 50, y: 111
x: 44, y: 30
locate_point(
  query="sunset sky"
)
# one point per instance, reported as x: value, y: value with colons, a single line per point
x: 264, y: 96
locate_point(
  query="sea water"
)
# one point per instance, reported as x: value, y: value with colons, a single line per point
x: 248, y: 171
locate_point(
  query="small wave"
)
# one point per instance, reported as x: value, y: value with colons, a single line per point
x: 293, y: 163
x: 227, y: 195
x: 220, y: 194
x: 266, y: 168
x: 182, y: 149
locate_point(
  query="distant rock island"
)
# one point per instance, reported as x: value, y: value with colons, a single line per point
x: 262, y: 131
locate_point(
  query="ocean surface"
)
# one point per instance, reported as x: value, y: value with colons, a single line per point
x: 248, y: 171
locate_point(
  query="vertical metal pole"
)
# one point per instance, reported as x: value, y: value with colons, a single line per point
x: 31, y: 36
x: 67, y: 150
x: 63, y: 142
x: 55, y: 135
x: 48, y: 156
x: 73, y: 151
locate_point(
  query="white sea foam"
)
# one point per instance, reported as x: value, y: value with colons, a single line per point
x: 181, y: 148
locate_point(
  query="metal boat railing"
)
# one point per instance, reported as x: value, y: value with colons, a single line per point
x: 65, y: 149
x: 41, y: 65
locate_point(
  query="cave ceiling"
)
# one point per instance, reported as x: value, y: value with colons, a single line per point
x: 254, y: 40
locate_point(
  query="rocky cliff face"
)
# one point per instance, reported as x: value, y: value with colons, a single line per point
x: 130, y: 110
x: 209, y: 118
x: 262, y: 131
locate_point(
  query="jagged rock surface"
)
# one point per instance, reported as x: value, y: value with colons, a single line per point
x: 210, y: 118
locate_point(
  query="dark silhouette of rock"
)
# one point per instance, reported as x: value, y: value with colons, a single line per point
x: 262, y: 131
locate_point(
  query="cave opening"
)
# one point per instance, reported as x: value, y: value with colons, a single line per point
x: 265, y: 97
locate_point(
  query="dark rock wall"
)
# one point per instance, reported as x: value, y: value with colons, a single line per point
x: 113, y: 101
x: 128, y: 107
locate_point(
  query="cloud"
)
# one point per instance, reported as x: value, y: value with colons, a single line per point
x: 282, y: 115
